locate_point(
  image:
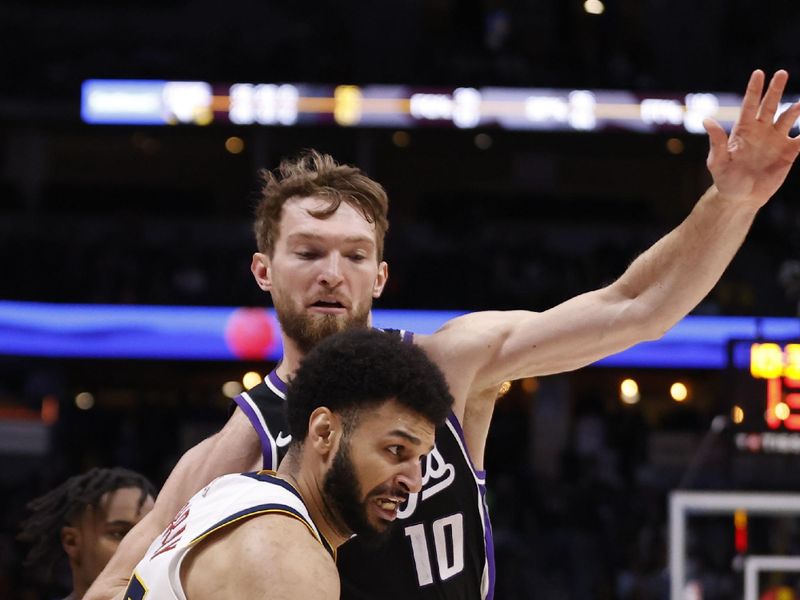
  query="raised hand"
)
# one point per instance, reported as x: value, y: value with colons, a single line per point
x: 752, y: 163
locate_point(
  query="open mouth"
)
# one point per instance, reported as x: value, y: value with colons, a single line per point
x: 324, y: 304
x: 388, y: 506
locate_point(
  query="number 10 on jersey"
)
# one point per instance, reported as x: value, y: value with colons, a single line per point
x: 448, y: 540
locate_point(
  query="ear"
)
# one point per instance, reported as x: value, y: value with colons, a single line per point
x: 261, y: 268
x: 380, y: 279
x: 71, y: 541
x: 324, y: 430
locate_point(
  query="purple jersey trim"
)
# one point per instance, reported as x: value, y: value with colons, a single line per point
x: 489, y: 540
x: 457, y: 426
x: 266, y: 442
x: 487, y: 525
x: 277, y: 381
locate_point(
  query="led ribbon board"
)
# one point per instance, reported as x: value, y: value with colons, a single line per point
x: 133, y: 102
x: 237, y: 333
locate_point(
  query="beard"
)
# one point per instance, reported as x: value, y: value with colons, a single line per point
x: 306, y: 331
x: 344, y: 496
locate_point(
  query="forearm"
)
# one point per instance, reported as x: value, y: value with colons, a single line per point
x: 234, y: 449
x: 659, y: 288
x: 675, y: 274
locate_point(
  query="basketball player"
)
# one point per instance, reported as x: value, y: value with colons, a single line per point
x: 320, y: 229
x: 84, y: 519
x: 362, y: 411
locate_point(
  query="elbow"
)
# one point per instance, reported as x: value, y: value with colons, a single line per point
x: 655, y: 331
x: 645, y: 323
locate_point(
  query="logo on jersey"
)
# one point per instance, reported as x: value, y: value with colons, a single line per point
x: 172, y: 534
x: 437, y: 475
x: 282, y: 440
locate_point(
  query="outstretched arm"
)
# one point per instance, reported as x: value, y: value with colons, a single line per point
x: 480, y: 350
x: 235, y: 448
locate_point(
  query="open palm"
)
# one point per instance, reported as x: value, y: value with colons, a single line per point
x: 752, y: 163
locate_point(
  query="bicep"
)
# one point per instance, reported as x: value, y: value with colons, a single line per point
x: 484, y: 349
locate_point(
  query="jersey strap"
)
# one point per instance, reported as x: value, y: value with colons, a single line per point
x: 269, y: 508
x: 407, y: 337
x: 248, y: 401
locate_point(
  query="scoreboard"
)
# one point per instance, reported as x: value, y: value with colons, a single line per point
x: 156, y: 102
x: 766, y: 412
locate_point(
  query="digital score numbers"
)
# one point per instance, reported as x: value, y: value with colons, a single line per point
x: 773, y: 425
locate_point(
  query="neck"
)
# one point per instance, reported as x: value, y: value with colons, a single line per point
x: 309, y: 484
x: 291, y: 359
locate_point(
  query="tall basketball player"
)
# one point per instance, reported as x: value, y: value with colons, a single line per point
x: 320, y: 229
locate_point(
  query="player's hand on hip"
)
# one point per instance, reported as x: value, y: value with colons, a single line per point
x: 751, y: 163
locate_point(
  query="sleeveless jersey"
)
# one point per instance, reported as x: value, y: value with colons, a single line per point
x: 227, y: 499
x: 441, y: 545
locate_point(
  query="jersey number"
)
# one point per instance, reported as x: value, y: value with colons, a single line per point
x: 449, y: 555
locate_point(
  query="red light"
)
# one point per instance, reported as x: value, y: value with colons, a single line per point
x: 775, y: 397
x: 49, y: 409
x: 793, y: 421
x: 740, y: 531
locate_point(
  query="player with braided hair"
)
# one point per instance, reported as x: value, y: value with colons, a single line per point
x: 85, y: 517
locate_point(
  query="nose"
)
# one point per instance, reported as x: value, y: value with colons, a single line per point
x: 331, y: 273
x: 410, y: 477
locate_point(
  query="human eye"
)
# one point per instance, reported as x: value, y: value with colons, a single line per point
x: 117, y: 534
x: 358, y: 256
x: 307, y: 254
x: 394, y: 449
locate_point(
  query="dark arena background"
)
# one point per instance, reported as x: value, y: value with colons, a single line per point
x: 530, y: 148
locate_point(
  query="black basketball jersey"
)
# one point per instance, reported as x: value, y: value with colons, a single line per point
x: 441, y: 544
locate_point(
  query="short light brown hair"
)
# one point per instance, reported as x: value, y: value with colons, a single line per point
x: 313, y: 174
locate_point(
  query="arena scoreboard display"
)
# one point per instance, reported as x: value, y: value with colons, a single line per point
x: 766, y: 411
x: 149, y: 102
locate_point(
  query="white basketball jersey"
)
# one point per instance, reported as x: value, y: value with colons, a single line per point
x: 227, y: 499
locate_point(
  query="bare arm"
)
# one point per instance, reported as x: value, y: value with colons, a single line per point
x: 479, y: 351
x: 235, y: 448
x: 269, y: 557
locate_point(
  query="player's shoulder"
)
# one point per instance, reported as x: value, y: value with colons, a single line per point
x: 472, y: 330
x: 262, y: 391
x: 404, y: 335
x: 268, y: 555
x: 299, y: 563
x: 266, y: 397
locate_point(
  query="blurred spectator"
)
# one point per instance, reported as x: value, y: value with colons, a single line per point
x: 83, y: 520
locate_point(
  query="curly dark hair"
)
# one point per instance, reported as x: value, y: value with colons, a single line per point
x: 358, y: 368
x: 65, y: 504
x: 319, y: 175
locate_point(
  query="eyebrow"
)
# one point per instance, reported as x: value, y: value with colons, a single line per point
x: 351, y: 239
x: 407, y: 436
x: 119, y: 523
